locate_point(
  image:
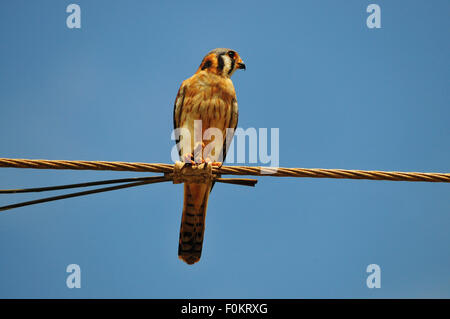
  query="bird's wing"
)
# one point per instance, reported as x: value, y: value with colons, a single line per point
x: 177, y: 110
x: 232, y: 124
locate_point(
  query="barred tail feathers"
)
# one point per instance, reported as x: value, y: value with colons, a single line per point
x: 193, y: 221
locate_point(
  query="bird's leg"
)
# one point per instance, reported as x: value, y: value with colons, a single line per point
x: 188, y: 159
x: 198, y: 152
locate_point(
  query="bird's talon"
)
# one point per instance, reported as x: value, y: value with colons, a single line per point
x: 188, y: 159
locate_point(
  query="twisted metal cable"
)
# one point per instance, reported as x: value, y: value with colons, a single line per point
x: 230, y: 170
x: 86, y: 165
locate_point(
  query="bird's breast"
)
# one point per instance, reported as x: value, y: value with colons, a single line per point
x: 209, y: 100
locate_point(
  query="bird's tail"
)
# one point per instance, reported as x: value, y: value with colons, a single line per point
x: 193, y: 221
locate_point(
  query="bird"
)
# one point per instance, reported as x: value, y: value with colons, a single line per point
x: 208, y: 96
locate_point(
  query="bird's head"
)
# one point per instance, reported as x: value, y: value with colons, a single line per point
x: 222, y: 62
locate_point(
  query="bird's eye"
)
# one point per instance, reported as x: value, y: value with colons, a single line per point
x: 231, y: 54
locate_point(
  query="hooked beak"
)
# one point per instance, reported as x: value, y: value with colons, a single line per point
x: 241, y: 65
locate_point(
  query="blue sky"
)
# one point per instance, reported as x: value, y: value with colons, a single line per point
x: 342, y: 96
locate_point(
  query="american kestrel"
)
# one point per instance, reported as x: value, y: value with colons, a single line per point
x: 207, y: 96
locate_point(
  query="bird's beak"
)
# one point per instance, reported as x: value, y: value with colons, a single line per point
x: 240, y: 64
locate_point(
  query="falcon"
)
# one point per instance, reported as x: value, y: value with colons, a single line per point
x: 207, y: 98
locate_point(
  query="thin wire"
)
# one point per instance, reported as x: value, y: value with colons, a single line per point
x: 87, y: 184
x: 155, y: 179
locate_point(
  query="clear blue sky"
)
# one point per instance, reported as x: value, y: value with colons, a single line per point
x: 342, y: 95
